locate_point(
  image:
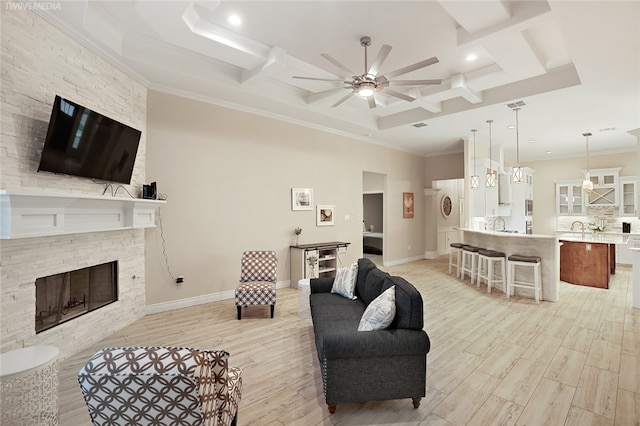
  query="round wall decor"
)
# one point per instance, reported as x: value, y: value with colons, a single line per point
x: 446, y: 206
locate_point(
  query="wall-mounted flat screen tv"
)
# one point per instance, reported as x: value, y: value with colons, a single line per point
x: 82, y: 142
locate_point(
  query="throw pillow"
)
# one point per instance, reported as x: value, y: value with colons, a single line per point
x: 380, y: 312
x: 344, y: 283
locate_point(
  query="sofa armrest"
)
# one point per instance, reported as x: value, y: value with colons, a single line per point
x: 321, y: 285
x: 363, y: 344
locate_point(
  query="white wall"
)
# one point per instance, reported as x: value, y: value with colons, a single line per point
x: 38, y: 62
x: 228, y: 176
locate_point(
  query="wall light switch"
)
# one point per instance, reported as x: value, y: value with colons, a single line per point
x: 588, y: 247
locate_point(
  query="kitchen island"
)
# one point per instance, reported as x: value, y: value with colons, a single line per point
x: 544, y: 246
x: 588, y: 258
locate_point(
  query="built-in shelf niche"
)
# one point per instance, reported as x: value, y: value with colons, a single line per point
x: 39, y: 214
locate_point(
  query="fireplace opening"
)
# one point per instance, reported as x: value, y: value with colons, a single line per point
x: 65, y: 296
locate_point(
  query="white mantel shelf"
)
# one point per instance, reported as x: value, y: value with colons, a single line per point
x: 40, y: 214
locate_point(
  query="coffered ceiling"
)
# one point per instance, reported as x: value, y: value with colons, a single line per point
x: 574, y: 64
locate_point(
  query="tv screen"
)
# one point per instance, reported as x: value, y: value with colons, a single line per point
x: 82, y: 142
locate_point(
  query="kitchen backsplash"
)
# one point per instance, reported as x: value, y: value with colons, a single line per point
x: 612, y: 223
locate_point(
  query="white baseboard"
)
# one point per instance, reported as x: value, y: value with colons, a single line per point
x: 198, y: 300
x: 401, y: 261
x: 431, y: 254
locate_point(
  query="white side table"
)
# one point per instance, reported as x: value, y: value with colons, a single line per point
x: 29, y: 379
x: 304, y: 290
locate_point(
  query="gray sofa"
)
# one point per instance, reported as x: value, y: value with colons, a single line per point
x: 369, y: 365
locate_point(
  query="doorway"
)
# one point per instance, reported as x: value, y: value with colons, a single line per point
x: 373, y: 218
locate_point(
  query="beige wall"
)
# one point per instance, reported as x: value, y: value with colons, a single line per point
x: 442, y: 167
x: 549, y: 171
x: 228, y: 176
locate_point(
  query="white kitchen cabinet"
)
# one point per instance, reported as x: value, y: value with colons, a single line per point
x: 569, y: 199
x: 605, y: 188
x: 624, y: 256
x: 445, y: 238
x: 628, y: 198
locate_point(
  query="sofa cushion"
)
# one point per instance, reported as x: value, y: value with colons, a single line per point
x: 409, y: 305
x: 373, y: 285
x: 380, y: 312
x: 344, y: 282
x: 364, y: 267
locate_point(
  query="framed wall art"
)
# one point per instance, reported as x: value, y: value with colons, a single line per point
x: 446, y: 205
x: 325, y: 215
x: 301, y: 199
x: 407, y: 205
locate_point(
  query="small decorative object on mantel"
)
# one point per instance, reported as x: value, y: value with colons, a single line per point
x: 598, y: 226
x: 326, y: 215
x: 297, y: 231
x: 407, y: 205
x: 301, y: 199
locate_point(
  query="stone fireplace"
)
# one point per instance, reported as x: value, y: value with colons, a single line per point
x: 68, y: 295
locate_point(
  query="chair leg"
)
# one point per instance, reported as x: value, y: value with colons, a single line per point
x: 332, y: 407
x: 234, y: 422
x: 273, y: 308
x: 416, y: 402
x: 239, y: 311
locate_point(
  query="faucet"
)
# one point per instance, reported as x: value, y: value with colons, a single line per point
x: 581, y: 226
x: 496, y: 220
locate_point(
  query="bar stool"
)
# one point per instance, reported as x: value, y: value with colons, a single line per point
x: 533, y: 262
x: 487, y: 271
x: 469, y: 261
x: 457, y: 248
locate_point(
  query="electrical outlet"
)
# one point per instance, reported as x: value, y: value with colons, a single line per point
x: 588, y: 247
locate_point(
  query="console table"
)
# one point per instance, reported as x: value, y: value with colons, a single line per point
x: 316, y: 260
x: 29, y: 378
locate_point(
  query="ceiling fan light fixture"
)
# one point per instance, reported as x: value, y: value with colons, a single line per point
x: 366, y: 89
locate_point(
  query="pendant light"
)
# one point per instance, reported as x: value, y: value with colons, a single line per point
x: 587, y: 183
x: 518, y: 172
x: 491, y: 174
x: 475, y: 179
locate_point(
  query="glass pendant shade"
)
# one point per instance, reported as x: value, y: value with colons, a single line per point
x: 491, y: 174
x: 491, y: 178
x: 587, y: 184
x: 475, y: 179
x: 518, y: 174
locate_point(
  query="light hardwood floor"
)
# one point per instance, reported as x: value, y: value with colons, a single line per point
x: 492, y: 361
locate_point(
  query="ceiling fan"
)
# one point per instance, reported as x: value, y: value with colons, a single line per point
x: 370, y: 81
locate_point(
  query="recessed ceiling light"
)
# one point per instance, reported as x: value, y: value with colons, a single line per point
x: 471, y: 57
x: 532, y: 141
x: 511, y: 126
x: 548, y: 152
x: 234, y: 20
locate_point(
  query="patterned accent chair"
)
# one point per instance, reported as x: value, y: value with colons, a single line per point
x: 257, y: 280
x: 170, y: 386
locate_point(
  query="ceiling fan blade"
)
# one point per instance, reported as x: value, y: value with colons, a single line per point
x: 372, y: 102
x: 318, y: 96
x: 399, y: 95
x: 344, y: 98
x: 414, y: 82
x: 377, y: 63
x: 413, y: 67
x: 337, y: 64
x: 319, y: 79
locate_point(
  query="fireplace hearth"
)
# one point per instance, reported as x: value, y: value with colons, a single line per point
x: 65, y: 296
